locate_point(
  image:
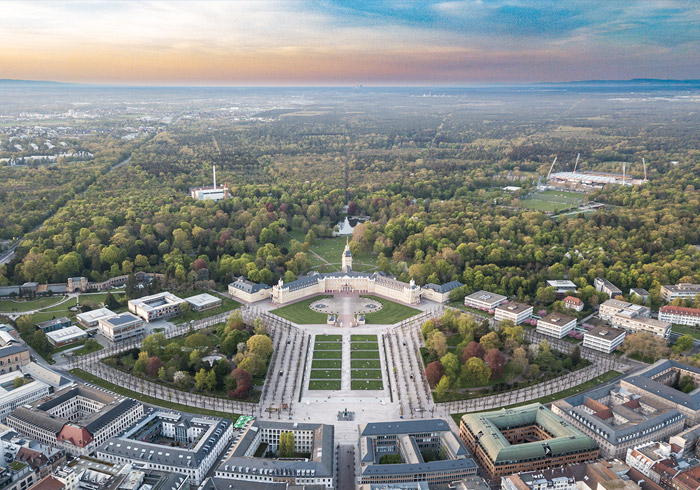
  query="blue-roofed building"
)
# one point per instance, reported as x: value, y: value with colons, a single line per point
x: 428, y: 449
x: 440, y: 292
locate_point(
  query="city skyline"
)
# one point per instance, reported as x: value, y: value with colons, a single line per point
x: 348, y: 43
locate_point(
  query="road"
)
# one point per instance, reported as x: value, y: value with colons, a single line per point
x: 346, y: 467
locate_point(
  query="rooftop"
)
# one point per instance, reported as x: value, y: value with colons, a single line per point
x: 603, y: 332
x: 443, y: 288
x: 120, y: 320
x: 202, y: 299
x: 95, y: 315
x: 486, y: 296
x: 558, y: 319
x: 514, y: 308
x: 247, y: 286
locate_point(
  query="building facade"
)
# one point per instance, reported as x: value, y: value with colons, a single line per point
x: 515, y: 312
x: 13, y: 357
x: 121, y: 327
x: 156, y: 306
x: 573, y: 303
x: 602, y: 285
x: 556, y: 325
x: 66, y: 336
x: 680, y: 315
x: 679, y: 291
x: 246, y: 291
x: 604, y: 339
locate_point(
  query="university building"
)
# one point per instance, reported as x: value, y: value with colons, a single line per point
x: 156, y: 307
x: 681, y: 290
x: 680, y: 315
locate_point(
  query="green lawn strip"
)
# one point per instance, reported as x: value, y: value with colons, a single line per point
x: 363, y: 338
x: 99, y: 298
x: 328, y: 346
x: 317, y: 384
x: 365, y: 364
x: 65, y: 306
x: 227, y: 305
x: 328, y: 354
x: 391, y: 312
x: 301, y: 313
x: 329, y: 338
x: 325, y: 374
x: 8, y: 305
x: 686, y: 330
x: 366, y: 374
x: 326, y: 364
x: 366, y: 384
x: 364, y: 354
x: 90, y: 378
x: 88, y: 350
x: 364, y: 346
x: 599, y: 380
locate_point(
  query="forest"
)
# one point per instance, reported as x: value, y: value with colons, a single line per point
x: 427, y: 172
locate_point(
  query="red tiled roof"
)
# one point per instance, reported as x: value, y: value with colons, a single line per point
x: 573, y: 299
x: 680, y: 310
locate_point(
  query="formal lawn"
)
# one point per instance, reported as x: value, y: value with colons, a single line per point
x: 366, y: 384
x: 366, y: 374
x: 364, y: 346
x: 9, y: 305
x: 363, y: 338
x: 301, y: 313
x: 364, y: 354
x: 90, y: 378
x: 365, y: 364
x: 390, y: 313
x: 328, y: 354
x: 326, y: 364
x: 329, y: 338
x: 328, y: 346
x: 318, y: 384
x: 325, y: 374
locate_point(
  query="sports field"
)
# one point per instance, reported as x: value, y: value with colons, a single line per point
x: 552, y: 201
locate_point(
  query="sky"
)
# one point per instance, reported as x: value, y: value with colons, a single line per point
x: 348, y: 42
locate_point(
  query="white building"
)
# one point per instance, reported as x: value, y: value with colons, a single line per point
x: 91, y: 318
x: 573, y: 303
x: 613, y: 307
x: 680, y: 315
x: 484, y: 300
x: 203, y: 301
x: 556, y: 325
x: 604, y: 339
x: 11, y: 398
x: 156, y: 307
x: 681, y: 290
x: 515, y: 312
x: 65, y: 336
x: 561, y: 286
x: 246, y: 291
x: 633, y: 318
x: 121, y: 327
x: 602, y: 285
x: 210, y: 193
x: 440, y: 293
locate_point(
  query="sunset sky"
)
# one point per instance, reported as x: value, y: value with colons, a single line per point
x: 346, y: 42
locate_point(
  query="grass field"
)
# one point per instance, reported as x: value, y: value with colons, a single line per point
x: 8, y: 305
x: 317, y: 384
x: 329, y: 338
x: 149, y: 399
x: 227, y: 305
x: 325, y: 374
x: 363, y: 338
x: 331, y: 249
x: 685, y: 329
x: 390, y: 313
x: 552, y: 201
x: 327, y: 354
x: 301, y: 313
x: 368, y: 384
x: 599, y: 380
x: 88, y: 349
x: 364, y: 346
x: 328, y: 346
x: 326, y: 364
x: 366, y: 374
x: 364, y: 354
x: 365, y: 364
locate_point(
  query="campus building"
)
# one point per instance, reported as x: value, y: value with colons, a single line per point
x: 640, y: 293
x: 412, y: 440
x: 680, y: 315
x: 604, y: 339
x: 561, y: 286
x: 617, y: 419
x: 12, y: 397
x: 91, y: 319
x: 66, y: 336
x: 556, y: 325
x: 573, y: 303
x: 656, y: 382
x: 246, y: 462
x: 526, y: 438
x: 121, y: 327
x: 171, y: 442
x: 515, y: 312
x: 77, y: 420
x: 681, y: 290
x: 53, y: 324
x: 440, y: 293
x: 484, y: 300
x: 602, y: 285
x: 203, y: 302
x: 633, y: 318
x: 156, y: 306
x: 246, y: 291
x: 13, y: 357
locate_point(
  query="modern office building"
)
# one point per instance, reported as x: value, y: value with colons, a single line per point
x: 612, y: 307
x: 171, y: 442
x: 246, y: 291
x: 633, y: 318
x: 156, y: 307
x: 556, y: 325
x: 54, y: 324
x: 91, y: 319
x: 680, y: 291
x: 526, y: 438
x: 618, y: 420
x: 515, y: 312
x: 246, y: 463
x: 77, y: 420
x: 604, y: 339
x: 640, y: 293
x: 602, y: 285
x: 573, y: 303
x: 13, y: 357
x: 680, y: 315
x: 12, y: 397
x: 484, y: 300
x: 561, y: 286
x: 656, y: 382
x: 121, y: 327
x: 66, y: 336
x: 203, y: 302
x: 439, y: 293
x: 413, y: 441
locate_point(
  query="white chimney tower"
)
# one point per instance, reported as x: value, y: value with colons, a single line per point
x: 214, y: 167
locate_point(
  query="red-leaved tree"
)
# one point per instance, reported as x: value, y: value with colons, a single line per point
x: 434, y: 372
x: 473, y: 349
x: 154, y: 365
x: 243, y: 383
x: 496, y: 361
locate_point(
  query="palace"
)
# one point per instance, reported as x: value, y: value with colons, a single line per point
x: 345, y: 281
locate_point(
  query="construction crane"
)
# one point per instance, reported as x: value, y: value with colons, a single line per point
x: 576, y: 164
x: 550, y: 168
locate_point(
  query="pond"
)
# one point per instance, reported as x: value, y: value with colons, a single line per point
x: 345, y: 227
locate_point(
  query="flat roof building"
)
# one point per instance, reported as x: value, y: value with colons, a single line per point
x: 602, y: 285
x: 556, y: 325
x: 680, y: 315
x: 484, y: 300
x: 515, y: 312
x: 641, y: 293
x: 12, y: 397
x: 604, y: 339
x: 54, y: 324
x: 156, y: 307
x: 633, y: 318
x: 526, y: 438
x: 65, y: 336
x: 90, y: 319
x: 121, y: 327
x: 561, y: 286
x: 682, y: 290
x: 412, y: 440
x: 203, y: 301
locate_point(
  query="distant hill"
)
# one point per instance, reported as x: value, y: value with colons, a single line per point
x: 633, y: 81
x: 11, y: 82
